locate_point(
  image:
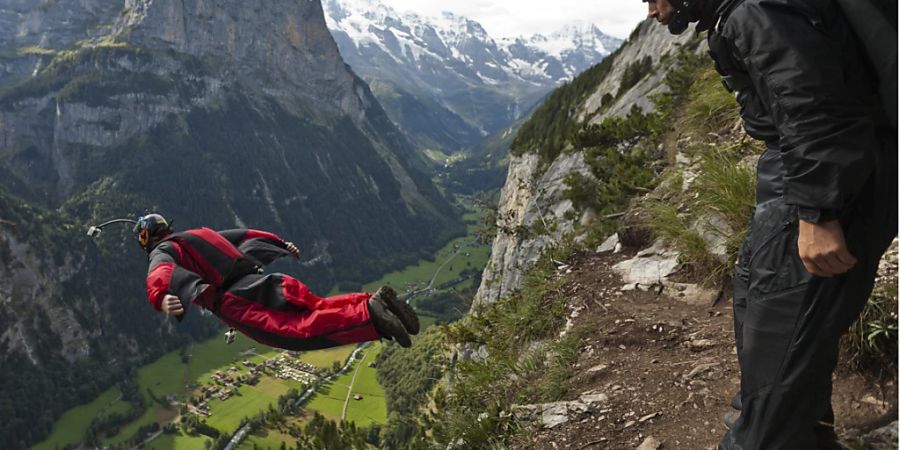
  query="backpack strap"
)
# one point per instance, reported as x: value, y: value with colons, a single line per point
x: 734, y: 76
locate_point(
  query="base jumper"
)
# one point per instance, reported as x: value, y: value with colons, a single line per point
x: 826, y: 200
x: 222, y: 272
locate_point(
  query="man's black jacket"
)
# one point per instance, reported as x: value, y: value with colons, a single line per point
x: 805, y: 87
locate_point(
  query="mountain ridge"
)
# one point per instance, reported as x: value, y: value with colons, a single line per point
x: 444, y: 80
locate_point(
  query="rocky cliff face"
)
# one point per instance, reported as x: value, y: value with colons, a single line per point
x: 31, y: 31
x: 215, y: 112
x: 533, y: 193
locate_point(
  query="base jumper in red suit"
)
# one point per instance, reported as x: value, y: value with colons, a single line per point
x: 222, y: 272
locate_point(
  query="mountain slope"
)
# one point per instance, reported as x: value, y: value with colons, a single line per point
x: 535, y: 192
x: 603, y: 318
x: 217, y: 113
x: 444, y: 80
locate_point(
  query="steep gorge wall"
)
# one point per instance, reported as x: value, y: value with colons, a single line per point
x: 532, y: 189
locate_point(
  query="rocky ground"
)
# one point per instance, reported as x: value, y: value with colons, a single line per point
x: 659, y: 367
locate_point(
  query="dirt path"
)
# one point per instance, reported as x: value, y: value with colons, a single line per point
x: 669, y: 369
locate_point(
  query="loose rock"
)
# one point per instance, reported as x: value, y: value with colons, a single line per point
x: 651, y: 443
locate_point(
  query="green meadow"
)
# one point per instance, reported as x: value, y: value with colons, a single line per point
x: 326, y: 358
x: 70, y: 428
x: 168, y: 375
x: 329, y: 401
x: 247, y: 401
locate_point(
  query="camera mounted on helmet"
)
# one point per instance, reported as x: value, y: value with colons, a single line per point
x: 149, y: 229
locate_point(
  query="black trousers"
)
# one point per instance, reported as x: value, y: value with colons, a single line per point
x: 788, y: 323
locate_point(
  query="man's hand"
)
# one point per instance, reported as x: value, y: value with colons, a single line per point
x: 823, y: 249
x: 171, y: 305
x: 293, y: 249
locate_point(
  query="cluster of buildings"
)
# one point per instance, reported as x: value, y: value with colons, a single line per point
x: 288, y: 368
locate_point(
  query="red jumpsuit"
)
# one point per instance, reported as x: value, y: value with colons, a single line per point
x: 221, y: 271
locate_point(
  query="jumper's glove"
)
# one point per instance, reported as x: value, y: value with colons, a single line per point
x: 293, y: 249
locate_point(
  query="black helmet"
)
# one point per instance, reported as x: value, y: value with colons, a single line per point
x: 686, y: 11
x: 150, y: 229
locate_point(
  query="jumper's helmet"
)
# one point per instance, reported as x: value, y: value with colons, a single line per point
x: 150, y: 229
x: 686, y: 11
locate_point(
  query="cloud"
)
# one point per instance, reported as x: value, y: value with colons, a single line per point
x: 504, y: 18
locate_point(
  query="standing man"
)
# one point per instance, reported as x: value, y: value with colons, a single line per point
x: 826, y: 202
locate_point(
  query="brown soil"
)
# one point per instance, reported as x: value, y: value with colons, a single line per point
x: 670, y: 370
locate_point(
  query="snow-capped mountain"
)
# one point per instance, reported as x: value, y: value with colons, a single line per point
x: 444, y: 80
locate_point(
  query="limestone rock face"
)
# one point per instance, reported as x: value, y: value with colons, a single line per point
x: 655, y: 43
x: 282, y: 47
x: 532, y: 192
x: 532, y: 216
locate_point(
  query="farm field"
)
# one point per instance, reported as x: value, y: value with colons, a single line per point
x: 329, y: 401
x: 70, y: 428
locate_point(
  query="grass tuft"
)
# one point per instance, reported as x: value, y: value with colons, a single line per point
x: 870, y: 346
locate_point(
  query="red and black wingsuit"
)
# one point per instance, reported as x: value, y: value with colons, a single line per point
x: 221, y: 271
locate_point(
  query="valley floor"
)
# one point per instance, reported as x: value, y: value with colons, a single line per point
x: 669, y: 369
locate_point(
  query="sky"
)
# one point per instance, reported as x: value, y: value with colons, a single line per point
x: 509, y: 18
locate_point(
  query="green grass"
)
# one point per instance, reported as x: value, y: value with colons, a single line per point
x: 35, y: 50
x: 131, y: 429
x: 327, y: 357
x: 330, y: 399
x: 70, y: 428
x: 227, y: 415
x: 178, y: 441
x: 214, y: 354
x: 168, y: 375
x: 710, y: 107
x: 371, y: 409
x: 417, y: 276
x: 675, y: 229
x: 870, y: 346
x: 165, y: 376
x: 426, y: 321
x: 728, y: 188
x: 270, y: 440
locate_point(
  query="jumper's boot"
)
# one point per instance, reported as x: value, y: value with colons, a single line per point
x: 827, y: 438
x: 387, y: 324
x: 736, y: 401
x: 729, y: 418
x: 401, y: 309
